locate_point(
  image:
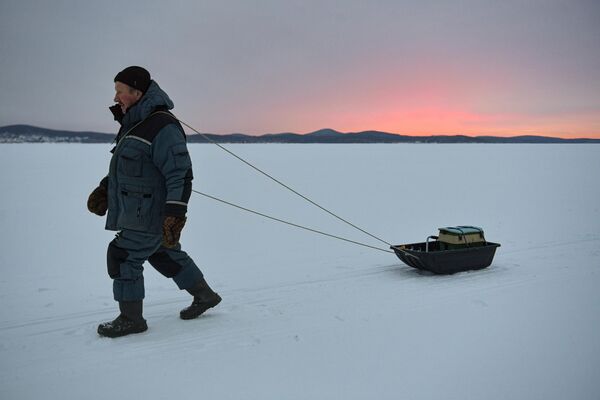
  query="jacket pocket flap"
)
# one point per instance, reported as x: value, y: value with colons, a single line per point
x: 181, y: 156
x: 179, y: 150
x: 130, y: 154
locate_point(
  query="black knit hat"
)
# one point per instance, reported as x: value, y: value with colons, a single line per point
x: 136, y: 77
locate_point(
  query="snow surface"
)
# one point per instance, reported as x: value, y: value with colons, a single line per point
x: 304, y: 316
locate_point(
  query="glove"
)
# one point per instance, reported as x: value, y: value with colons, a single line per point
x: 117, y: 113
x: 98, y: 201
x: 172, y: 226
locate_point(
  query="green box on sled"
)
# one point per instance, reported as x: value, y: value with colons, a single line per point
x: 459, y: 237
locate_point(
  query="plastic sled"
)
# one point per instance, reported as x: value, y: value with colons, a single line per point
x: 434, y: 256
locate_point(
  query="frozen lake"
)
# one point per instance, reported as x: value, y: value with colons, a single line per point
x: 305, y: 316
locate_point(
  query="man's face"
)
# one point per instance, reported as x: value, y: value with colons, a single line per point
x: 126, y: 96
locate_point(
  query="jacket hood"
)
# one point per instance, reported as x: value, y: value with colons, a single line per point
x: 154, y: 98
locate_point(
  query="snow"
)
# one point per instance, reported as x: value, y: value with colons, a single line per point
x: 305, y: 316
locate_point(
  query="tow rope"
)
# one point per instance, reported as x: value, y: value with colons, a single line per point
x: 289, y: 223
x: 291, y: 190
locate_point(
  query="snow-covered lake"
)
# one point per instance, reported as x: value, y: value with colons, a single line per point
x: 305, y: 316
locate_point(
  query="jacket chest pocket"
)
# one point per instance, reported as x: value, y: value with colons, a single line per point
x: 130, y: 162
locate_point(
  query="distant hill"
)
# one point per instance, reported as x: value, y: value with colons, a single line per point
x: 33, y: 134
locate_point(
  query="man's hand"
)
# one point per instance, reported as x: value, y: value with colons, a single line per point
x: 172, y: 226
x: 98, y: 201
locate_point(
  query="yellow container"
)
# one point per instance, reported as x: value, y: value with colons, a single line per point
x: 453, y: 237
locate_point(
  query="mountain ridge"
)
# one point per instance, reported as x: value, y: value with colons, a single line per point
x: 33, y: 134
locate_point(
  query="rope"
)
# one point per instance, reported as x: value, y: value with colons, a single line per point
x: 281, y: 183
x: 289, y: 223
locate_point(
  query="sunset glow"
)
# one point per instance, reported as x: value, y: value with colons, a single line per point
x: 504, y: 68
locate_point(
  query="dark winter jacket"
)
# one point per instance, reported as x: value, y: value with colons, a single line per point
x: 150, y: 172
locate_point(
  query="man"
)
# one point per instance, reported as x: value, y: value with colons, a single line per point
x: 145, y: 193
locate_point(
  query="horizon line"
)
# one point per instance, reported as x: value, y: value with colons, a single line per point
x: 499, y: 135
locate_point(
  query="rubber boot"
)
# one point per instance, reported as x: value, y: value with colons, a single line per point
x: 204, y: 298
x: 129, y: 321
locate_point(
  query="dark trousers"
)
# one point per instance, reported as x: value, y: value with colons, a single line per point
x: 130, y: 249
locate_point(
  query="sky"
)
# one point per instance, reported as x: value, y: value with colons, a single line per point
x: 470, y: 67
